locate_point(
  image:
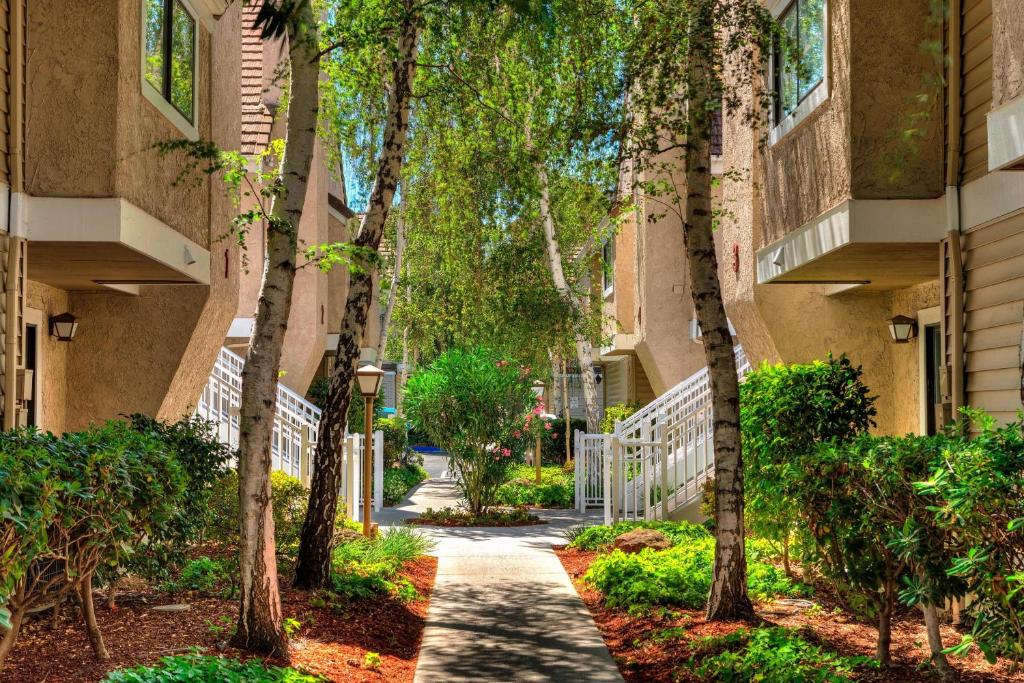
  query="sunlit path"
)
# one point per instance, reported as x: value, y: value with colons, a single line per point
x: 503, y: 608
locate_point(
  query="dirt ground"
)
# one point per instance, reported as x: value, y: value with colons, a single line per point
x: 642, y: 658
x: 331, y: 641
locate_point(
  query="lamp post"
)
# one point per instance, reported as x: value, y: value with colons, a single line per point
x: 538, y: 391
x: 369, y: 377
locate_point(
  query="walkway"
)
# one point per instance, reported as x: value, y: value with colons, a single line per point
x: 503, y: 608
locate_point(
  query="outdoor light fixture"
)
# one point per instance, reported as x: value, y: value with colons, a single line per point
x: 538, y: 391
x: 902, y: 329
x: 63, y: 326
x: 369, y: 377
x: 598, y: 374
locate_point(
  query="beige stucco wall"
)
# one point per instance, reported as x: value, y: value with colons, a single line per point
x: 53, y: 383
x: 90, y: 130
x: 152, y: 352
x: 831, y: 156
x: 1007, y: 51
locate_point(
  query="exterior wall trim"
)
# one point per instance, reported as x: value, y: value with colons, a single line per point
x: 990, y: 197
x: 853, y: 221
x: 925, y: 316
x: 112, y: 219
x: 1006, y: 135
x: 189, y: 129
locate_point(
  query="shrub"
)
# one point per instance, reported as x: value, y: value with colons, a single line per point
x: 288, y: 497
x: 554, y: 446
x: 450, y: 516
x: 556, y: 488
x: 196, y: 667
x: 399, y: 480
x: 396, y: 440
x: 785, y: 412
x: 203, y: 460
x: 616, y: 412
x: 601, y: 537
x: 473, y: 404
x: 109, y: 486
x: 771, y: 654
x: 200, y: 574
x: 975, y: 490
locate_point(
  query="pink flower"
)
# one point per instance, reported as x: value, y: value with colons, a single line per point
x: 538, y: 410
x: 518, y: 434
x: 547, y: 425
x: 506, y: 452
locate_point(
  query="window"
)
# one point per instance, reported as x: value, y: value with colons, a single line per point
x: 170, y: 54
x: 608, y: 266
x: 799, y: 67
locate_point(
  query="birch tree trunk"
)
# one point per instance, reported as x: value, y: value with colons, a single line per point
x: 259, y: 626
x: 393, y: 289
x: 583, y: 352
x: 313, y: 568
x: 728, y: 598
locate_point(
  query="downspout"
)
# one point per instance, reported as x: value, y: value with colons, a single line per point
x: 14, y: 209
x: 953, y: 224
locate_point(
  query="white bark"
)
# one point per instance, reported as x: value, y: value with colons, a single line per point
x: 260, y: 619
x: 583, y: 351
x: 393, y: 289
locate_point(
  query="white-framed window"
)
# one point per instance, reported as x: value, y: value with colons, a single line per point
x: 799, y: 69
x: 169, y: 69
x: 608, y: 267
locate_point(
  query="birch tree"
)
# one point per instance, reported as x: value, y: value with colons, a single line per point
x: 687, y: 60
x: 260, y: 627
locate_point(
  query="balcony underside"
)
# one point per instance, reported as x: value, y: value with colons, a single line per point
x: 870, y: 266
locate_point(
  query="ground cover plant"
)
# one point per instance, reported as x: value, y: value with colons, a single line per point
x: 678, y: 576
x: 365, y: 567
x: 556, y: 488
x: 210, y: 668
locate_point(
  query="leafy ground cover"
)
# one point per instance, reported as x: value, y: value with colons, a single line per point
x: 556, y: 488
x: 675, y: 644
x: 342, y: 635
x: 460, y: 517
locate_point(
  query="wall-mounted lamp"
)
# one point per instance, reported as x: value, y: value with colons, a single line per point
x: 63, y: 326
x: 902, y: 329
x: 598, y: 374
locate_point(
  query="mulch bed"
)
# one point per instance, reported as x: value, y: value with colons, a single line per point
x: 642, y: 658
x: 331, y: 642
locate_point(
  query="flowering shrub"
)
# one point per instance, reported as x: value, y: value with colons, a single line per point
x: 472, y: 404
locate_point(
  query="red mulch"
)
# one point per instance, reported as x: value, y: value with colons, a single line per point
x: 330, y: 642
x: 643, y: 660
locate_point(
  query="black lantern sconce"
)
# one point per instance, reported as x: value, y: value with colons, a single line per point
x: 63, y: 326
x: 902, y: 329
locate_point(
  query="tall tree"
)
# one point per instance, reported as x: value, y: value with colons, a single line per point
x: 399, y: 23
x: 687, y: 60
x: 260, y: 627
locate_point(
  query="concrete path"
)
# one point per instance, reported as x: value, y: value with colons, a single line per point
x: 503, y: 608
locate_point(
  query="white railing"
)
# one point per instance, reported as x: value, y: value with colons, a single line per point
x: 296, y: 422
x: 590, y: 472
x: 659, y: 458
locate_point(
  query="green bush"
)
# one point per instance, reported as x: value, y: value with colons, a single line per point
x: 600, y: 537
x: 975, y: 495
x: 206, y: 669
x: 107, y: 489
x: 679, y: 576
x: 288, y: 497
x: 556, y: 489
x: 554, y: 446
x: 203, y: 460
x: 396, y: 440
x: 771, y: 654
x: 399, y: 480
x: 616, y: 412
x: 473, y: 404
x: 786, y: 411
x: 201, y: 574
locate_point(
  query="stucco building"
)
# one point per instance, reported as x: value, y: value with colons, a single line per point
x: 885, y: 187
x: 96, y: 222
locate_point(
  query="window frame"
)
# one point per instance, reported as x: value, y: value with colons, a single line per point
x: 608, y: 267
x: 781, y: 125
x: 190, y: 129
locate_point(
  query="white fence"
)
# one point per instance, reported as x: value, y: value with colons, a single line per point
x: 658, y: 459
x: 296, y: 422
